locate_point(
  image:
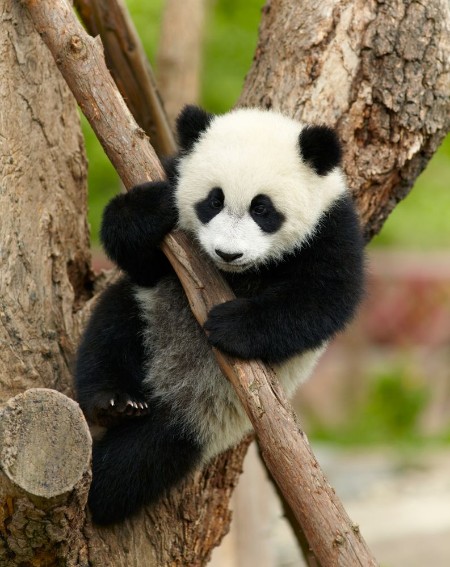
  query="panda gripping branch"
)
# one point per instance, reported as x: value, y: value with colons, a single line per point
x: 266, y: 200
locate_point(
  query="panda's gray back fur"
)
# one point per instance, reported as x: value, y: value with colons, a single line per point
x: 182, y: 372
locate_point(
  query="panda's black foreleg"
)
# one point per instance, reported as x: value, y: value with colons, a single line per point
x: 136, y: 462
x: 134, y: 225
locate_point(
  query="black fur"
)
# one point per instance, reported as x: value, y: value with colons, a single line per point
x: 300, y: 302
x: 320, y: 148
x: 264, y: 213
x: 210, y: 206
x: 111, y: 355
x: 136, y: 462
x: 191, y: 122
x: 133, y: 226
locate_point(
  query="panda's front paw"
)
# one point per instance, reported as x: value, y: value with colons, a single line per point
x: 231, y: 328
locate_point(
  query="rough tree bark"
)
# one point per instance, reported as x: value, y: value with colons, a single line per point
x: 45, y: 280
x: 45, y: 260
x: 176, y: 543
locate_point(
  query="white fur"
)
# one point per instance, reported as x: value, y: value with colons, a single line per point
x: 182, y: 370
x: 249, y: 152
x: 232, y: 233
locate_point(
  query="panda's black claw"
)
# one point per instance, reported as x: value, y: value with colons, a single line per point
x: 107, y: 408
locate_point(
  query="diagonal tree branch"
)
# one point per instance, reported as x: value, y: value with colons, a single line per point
x: 129, y: 67
x: 331, y: 534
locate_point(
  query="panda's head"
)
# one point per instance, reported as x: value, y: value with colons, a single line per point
x: 253, y: 184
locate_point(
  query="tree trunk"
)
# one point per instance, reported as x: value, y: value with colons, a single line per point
x: 179, y: 58
x: 45, y: 276
x: 45, y: 280
x: 43, y: 506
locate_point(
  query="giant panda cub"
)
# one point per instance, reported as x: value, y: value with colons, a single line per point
x: 266, y: 200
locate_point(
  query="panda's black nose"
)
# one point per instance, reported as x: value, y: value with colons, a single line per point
x: 228, y: 257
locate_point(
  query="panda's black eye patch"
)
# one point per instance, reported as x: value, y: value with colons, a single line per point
x: 264, y: 213
x: 259, y: 209
x: 209, y: 207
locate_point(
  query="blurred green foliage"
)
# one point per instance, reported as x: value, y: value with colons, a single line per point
x: 390, y: 413
x: 421, y: 221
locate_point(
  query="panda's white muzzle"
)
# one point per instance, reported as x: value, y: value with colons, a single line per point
x: 234, y: 242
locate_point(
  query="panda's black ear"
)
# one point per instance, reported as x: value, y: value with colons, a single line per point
x: 320, y: 148
x: 191, y: 122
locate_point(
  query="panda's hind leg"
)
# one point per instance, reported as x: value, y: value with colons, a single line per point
x: 136, y: 462
x: 110, y: 367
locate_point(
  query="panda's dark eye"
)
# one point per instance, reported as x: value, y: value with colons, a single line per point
x: 210, y: 206
x: 216, y: 198
x: 259, y: 210
x: 216, y: 203
x: 263, y: 212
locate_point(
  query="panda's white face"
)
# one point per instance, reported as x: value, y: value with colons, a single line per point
x: 245, y: 192
x: 235, y: 242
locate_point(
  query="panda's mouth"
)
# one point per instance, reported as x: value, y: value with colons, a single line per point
x: 230, y: 267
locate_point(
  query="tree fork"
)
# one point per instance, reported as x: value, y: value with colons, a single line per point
x: 331, y: 534
x: 128, y: 64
